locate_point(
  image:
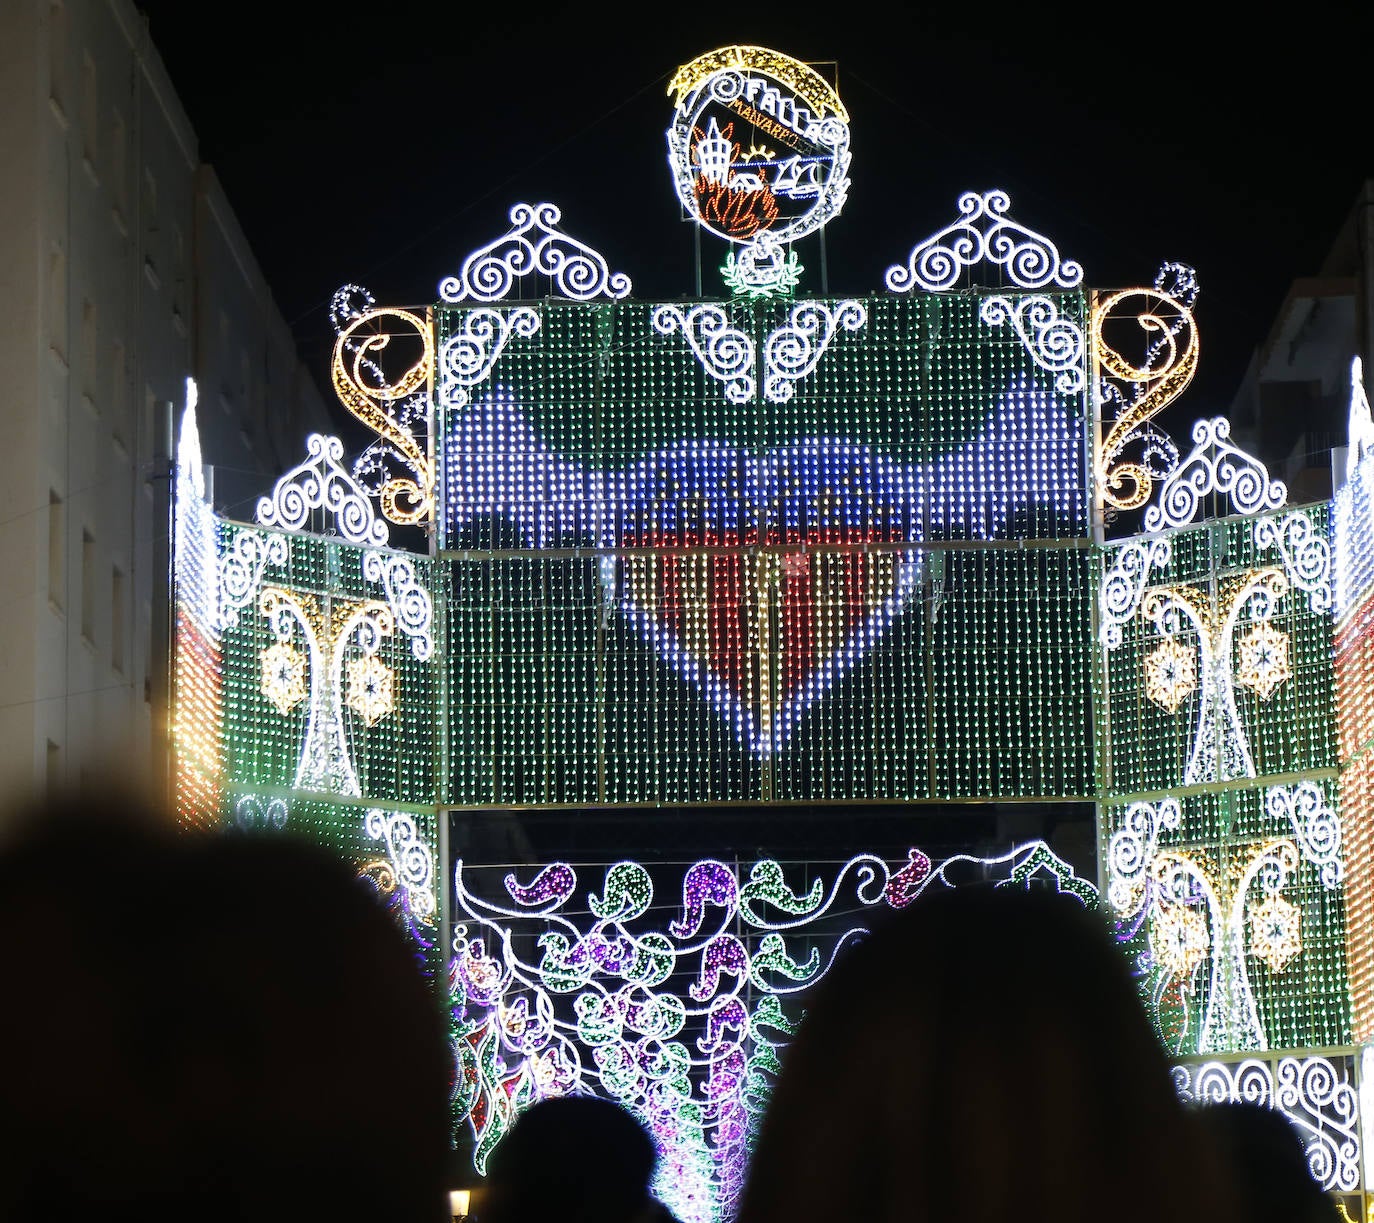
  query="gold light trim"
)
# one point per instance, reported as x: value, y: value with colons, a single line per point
x: 1168, y: 322
x: 800, y: 78
x: 370, y: 689
x: 1170, y: 674
x: 283, y: 676
x: 366, y: 391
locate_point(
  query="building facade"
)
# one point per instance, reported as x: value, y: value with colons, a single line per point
x: 126, y: 272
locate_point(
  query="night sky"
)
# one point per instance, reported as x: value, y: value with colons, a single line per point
x: 381, y: 144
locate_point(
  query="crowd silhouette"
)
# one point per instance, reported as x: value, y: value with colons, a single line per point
x: 209, y: 1028
x: 232, y: 1027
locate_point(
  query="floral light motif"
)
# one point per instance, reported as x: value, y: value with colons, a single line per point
x: 1275, y: 927
x: 369, y: 688
x: 283, y: 676
x: 681, y: 1023
x: 1264, y: 661
x: 1179, y: 938
x: 1220, y: 750
x: 329, y: 634
x: 1170, y: 674
x: 1181, y: 882
x: 1197, y: 914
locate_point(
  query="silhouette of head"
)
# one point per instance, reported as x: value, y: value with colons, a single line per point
x: 574, y: 1158
x: 982, y: 1056
x: 210, y: 1027
x: 1267, y: 1155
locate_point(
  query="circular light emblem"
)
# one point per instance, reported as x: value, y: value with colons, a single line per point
x: 759, y: 149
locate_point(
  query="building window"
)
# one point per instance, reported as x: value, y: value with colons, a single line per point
x: 87, y: 586
x: 148, y: 227
x: 147, y: 614
x: 178, y: 271
x: 117, y: 619
x: 90, y: 110
x: 57, y: 55
x: 54, y: 777
x: 57, y: 300
x: 57, y: 551
x: 119, y: 397
x: 90, y: 344
x: 119, y: 155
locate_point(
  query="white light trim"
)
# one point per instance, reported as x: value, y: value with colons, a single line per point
x: 1054, y: 342
x: 984, y: 233
x: 322, y: 483
x: 723, y: 351
x: 534, y: 245
x: 1306, y: 555
x: 409, y: 601
x: 469, y: 354
x: 1313, y: 1093
x: 241, y: 570
x: 794, y: 350
x: 1361, y: 423
x: 1123, y: 585
x: 1214, y: 465
x: 1316, y: 826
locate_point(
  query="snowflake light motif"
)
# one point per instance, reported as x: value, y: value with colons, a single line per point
x: 1275, y: 932
x: 370, y: 688
x: 1263, y: 660
x: 283, y: 676
x: 1180, y: 938
x: 1170, y: 675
